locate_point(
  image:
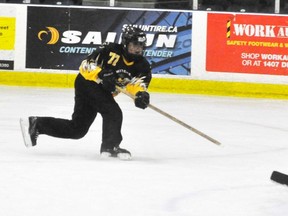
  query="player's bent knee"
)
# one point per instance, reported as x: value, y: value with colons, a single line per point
x: 79, y: 134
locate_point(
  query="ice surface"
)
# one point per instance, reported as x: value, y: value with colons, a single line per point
x: 173, y: 172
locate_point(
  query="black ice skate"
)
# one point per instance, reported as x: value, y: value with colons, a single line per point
x: 29, y: 131
x: 122, y: 154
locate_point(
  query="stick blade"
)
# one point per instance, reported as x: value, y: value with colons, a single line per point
x: 279, y: 177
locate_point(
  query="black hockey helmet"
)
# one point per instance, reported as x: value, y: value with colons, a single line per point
x: 131, y: 34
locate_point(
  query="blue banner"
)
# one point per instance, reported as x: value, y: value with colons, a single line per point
x: 60, y: 38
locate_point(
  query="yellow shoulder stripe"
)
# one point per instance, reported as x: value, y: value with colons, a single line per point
x: 90, y: 75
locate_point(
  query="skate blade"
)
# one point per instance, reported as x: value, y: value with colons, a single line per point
x: 105, y: 155
x: 121, y: 156
x: 25, y: 134
x: 124, y: 156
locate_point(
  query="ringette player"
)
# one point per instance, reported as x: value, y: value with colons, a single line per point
x: 110, y: 65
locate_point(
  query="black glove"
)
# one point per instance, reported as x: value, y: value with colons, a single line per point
x: 142, y: 99
x: 108, y: 78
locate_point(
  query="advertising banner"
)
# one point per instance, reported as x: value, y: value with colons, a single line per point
x: 60, y: 38
x: 251, y: 44
x: 7, y: 42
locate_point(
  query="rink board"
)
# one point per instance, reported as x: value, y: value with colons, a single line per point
x: 193, y: 52
x: 167, y: 85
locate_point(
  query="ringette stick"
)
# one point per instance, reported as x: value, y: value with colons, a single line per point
x: 172, y: 118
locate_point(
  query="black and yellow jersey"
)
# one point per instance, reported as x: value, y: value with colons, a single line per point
x: 111, y: 56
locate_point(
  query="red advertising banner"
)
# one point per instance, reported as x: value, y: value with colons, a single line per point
x: 254, y: 44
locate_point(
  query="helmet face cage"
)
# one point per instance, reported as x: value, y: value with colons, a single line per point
x: 134, y: 35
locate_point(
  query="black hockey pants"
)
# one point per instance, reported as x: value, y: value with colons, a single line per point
x: 90, y: 99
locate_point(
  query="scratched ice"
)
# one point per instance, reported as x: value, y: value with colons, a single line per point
x: 173, y: 172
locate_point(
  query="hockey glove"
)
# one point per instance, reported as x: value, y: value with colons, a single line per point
x: 142, y: 99
x: 108, y: 78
